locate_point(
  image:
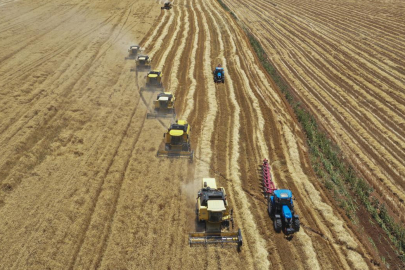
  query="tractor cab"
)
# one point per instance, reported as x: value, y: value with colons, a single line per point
x: 284, y: 197
x: 215, y: 211
x: 219, y: 74
x: 281, y: 209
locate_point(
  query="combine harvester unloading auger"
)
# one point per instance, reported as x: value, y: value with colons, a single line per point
x: 280, y: 204
x: 213, y: 210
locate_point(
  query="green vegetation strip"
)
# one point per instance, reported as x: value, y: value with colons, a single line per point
x: 328, y: 161
x: 329, y: 165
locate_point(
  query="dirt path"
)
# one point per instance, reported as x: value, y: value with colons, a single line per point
x: 80, y: 183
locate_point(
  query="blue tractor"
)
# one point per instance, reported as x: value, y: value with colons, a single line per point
x: 281, y: 210
x: 219, y: 74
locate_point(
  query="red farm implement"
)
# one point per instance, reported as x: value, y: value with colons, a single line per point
x: 268, y: 183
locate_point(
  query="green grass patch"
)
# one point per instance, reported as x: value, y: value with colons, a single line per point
x: 226, y: 8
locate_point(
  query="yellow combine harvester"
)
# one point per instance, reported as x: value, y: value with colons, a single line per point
x: 143, y: 62
x: 177, y: 141
x: 153, y: 81
x: 213, y: 210
x: 163, y: 106
x: 133, y: 51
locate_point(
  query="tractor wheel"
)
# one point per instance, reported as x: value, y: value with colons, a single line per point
x: 297, y: 225
x: 277, y: 225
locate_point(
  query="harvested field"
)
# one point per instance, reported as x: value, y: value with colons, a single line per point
x: 81, y: 186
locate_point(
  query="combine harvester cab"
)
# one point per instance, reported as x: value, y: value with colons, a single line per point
x: 153, y: 81
x: 133, y: 51
x: 143, y: 63
x: 177, y: 141
x: 280, y: 204
x: 213, y: 210
x: 163, y: 106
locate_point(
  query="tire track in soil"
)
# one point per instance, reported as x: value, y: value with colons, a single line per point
x: 101, y: 251
x: 44, y: 220
x: 110, y: 180
x: 162, y: 59
x: 180, y: 236
x: 51, y: 113
x: 42, y: 60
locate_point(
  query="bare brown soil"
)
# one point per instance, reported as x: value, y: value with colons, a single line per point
x: 81, y: 187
